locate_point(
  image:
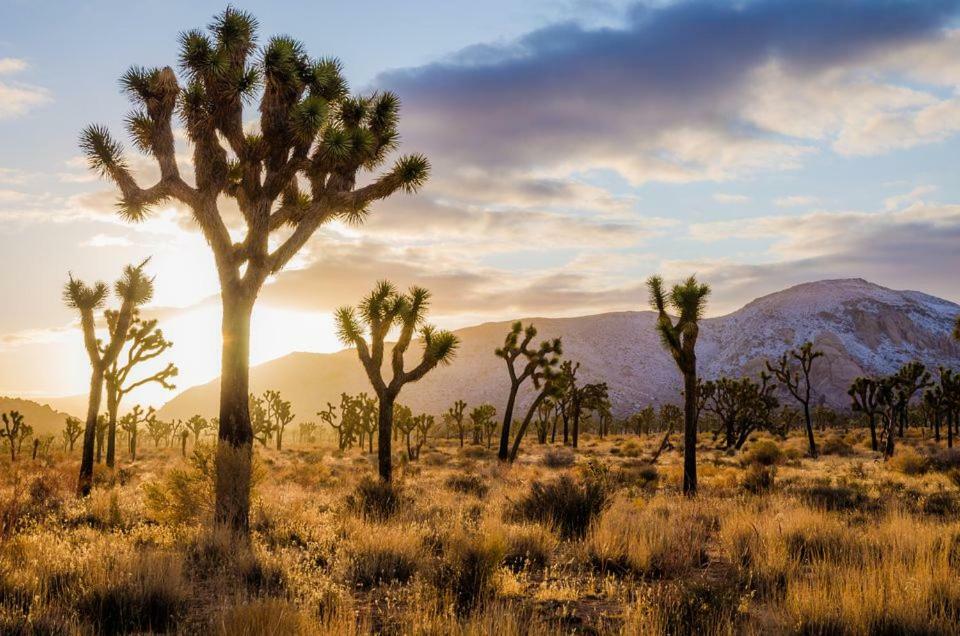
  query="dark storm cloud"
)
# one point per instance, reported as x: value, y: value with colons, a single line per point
x: 566, y: 93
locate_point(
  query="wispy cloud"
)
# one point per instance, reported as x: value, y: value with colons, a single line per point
x: 18, y: 98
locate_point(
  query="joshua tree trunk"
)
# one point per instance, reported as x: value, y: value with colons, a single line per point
x: 810, y: 439
x: 85, y: 482
x: 236, y: 434
x: 112, y: 407
x: 951, y: 420
x: 690, y: 431
x: 504, y: 451
x: 872, y: 423
x: 384, y: 430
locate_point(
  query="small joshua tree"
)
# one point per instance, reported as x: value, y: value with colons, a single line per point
x: 102, y: 426
x: 456, y: 415
x: 792, y: 371
x: 13, y: 426
x: 545, y: 382
x: 689, y: 300
x: 517, y: 346
x: 483, y: 419
x: 260, y: 421
x: 144, y: 342
x: 158, y: 429
x: 311, y: 132
x: 901, y: 387
x: 368, y: 419
x: 329, y: 416
x: 383, y: 309
x: 280, y: 413
x: 72, y: 430
x: 865, y: 398
x: 307, y: 432
x: 196, y: 425
x: 131, y: 424
x: 422, y: 424
x: 134, y: 289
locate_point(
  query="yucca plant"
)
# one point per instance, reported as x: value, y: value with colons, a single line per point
x: 792, y: 371
x: 689, y: 300
x: 298, y: 172
x: 145, y: 342
x: 535, y: 363
x: 382, y: 310
x: 134, y: 289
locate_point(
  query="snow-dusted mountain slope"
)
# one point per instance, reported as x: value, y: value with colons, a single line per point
x: 862, y: 328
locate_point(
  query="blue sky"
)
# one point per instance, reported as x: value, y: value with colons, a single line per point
x: 577, y: 148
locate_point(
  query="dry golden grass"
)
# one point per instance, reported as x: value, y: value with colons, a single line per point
x: 845, y: 544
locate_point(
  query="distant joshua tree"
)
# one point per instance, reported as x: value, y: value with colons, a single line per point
x: 483, y: 419
x: 456, y: 415
x: 533, y: 361
x: 792, y: 371
x: 72, y: 430
x: 865, y: 398
x: 383, y: 309
x: 134, y: 289
x: 280, y: 413
x: 545, y: 381
x: 13, y: 431
x: 197, y: 424
x: 144, y: 342
x: 311, y: 131
x: 131, y: 424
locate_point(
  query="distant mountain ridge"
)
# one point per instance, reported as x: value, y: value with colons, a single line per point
x: 44, y: 419
x: 862, y: 327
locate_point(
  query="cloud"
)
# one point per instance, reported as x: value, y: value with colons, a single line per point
x: 903, y: 248
x: 721, y: 197
x: 682, y: 92
x: 795, y: 200
x: 16, y: 98
x: 106, y: 240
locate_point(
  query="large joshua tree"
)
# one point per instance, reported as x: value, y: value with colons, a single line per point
x: 310, y: 133
x: 146, y: 342
x: 532, y: 360
x: 133, y: 288
x: 793, y: 370
x: 383, y: 309
x: 688, y: 300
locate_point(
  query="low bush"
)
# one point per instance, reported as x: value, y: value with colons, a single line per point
x: 559, y: 457
x: 570, y: 504
x: 376, y: 499
x: 469, y: 483
x: 758, y: 478
x: 908, y: 461
x: 528, y: 546
x: 763, y: 453
x: 467, y: 567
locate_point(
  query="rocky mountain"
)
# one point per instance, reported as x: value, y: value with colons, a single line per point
x: 44, y: 419
x: 863, y: 328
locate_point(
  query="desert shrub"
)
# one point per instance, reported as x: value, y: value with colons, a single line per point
x: 184, y: 495
x: 559, y: 457
x: 143, y: 593
x: 528, y: 546
x: 687, y: 607
x: 839, y: 497
x: 475, y: 452
x: 763, y: 453
x: 376, y: 499
x: 942, y: 503
x: 908, y: 461
x: 568, y: 503
x: 834, y: 444
x: 469, y: 483
x: 945, y: 459
x: 631, y: 448
x: 819, y: 542
x: 750, y: 542
x: 659, y: 539
x: 758, y: 478
x: 468, y: 565
x: 379, y: 554
x: 265, y: 616
x: 436, y: 458
x: 640, y: 474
